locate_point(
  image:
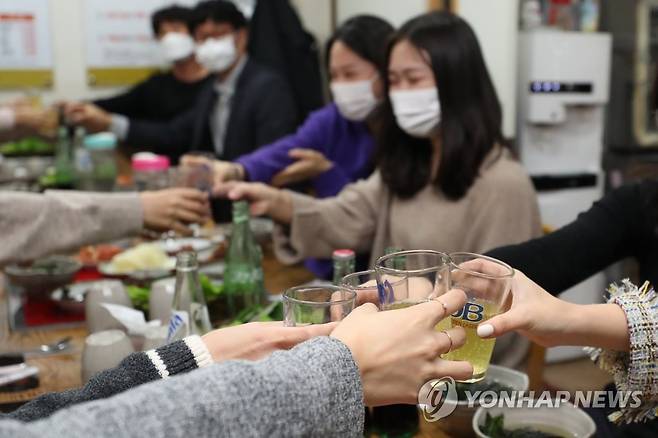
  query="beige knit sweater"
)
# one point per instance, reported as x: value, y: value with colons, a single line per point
x: 33, y: 225
x: 499, y: 209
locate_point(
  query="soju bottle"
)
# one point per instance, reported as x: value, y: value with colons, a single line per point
x: 64, y: 166
x: 243, y: 277
x: 397, y: 262
x: 344, y: 263
x: 189, y: 313
x: 84, y: 167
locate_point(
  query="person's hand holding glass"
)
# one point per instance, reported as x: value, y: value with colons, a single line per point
x: 223, y: 171
x: 397, y: 352
x: 487, y: 283
x: 407, y: 278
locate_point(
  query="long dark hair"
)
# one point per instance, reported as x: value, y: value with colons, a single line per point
x: 470, y: 112
x: 365, y: 35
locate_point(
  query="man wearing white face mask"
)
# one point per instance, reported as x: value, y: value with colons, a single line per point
x: 163, y: 95
x: 246, y: 106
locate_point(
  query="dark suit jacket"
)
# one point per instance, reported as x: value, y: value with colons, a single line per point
x: 262, y: 110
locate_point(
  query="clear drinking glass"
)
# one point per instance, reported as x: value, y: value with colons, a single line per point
x: 406, y: 278
x: 487, y: 283
x: 199, y: 176
x: 306, y: 305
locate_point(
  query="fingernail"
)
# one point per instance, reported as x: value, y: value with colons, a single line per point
x: 485, y: 330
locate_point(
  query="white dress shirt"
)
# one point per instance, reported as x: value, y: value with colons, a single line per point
x: 221, y: 113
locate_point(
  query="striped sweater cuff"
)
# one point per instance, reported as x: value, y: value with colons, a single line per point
x: 180, y: 357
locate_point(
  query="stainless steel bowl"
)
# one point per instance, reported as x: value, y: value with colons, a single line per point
x: 43, y: 276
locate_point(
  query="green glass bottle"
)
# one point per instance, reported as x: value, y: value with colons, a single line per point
x: 399, y: 262
x: 243, y: 277
x: 344, y: 264
x: 64, y: 165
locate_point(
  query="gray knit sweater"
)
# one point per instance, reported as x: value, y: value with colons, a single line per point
x: 312, y: 390
x: 176, y: 358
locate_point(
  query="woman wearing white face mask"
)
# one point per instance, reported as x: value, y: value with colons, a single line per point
x: 334, y: 146
x: 444, y: 181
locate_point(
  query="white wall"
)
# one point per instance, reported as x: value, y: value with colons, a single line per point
x: 496, y: 26
x: 495, y: 23
x: 316, y: 17
x: 395, y: 11
x: 70, y: 80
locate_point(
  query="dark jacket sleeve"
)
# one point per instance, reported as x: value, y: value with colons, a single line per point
x: 136, y: 369
x: 607, y: 232
x: 169, y: 138
x: 128, y: 104
x: 276, y: 113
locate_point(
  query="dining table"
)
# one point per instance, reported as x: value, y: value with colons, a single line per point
x: 61, y: 371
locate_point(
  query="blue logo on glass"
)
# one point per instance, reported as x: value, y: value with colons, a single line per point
x: 385, y: 291
x: 471, y: 312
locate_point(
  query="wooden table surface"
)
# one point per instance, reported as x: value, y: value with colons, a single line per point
x: 62, y: 371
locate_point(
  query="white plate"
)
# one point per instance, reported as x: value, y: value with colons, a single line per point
x: 107, y: 269
x: 172, y: 246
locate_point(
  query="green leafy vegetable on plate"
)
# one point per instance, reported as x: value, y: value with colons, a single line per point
x: 494, y: 428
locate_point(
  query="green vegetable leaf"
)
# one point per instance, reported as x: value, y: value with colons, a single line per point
x: 139, y: 296
x: 211, y: 291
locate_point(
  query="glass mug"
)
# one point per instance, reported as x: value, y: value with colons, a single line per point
x: 410, y: 277
x: 487, y: 283
x: 306, y: 305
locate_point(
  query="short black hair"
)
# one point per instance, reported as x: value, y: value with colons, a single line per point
x: 176, y: 13
x: 365, y: 35
x: 219, y: 11
x: 471, y: 115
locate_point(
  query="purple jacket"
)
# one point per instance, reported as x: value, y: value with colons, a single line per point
x: 347, y: 144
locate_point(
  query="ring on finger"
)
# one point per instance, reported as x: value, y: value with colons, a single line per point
x: 445, y: 332
x: 445, y: 306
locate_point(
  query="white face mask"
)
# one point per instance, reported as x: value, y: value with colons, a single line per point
x: 355, y: 100
x: 417, y: 112
x: 217, y: 54
x: 176, y: 46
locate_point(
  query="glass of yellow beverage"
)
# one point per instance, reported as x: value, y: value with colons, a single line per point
x: 406, y: 278
x: 487, y: 283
